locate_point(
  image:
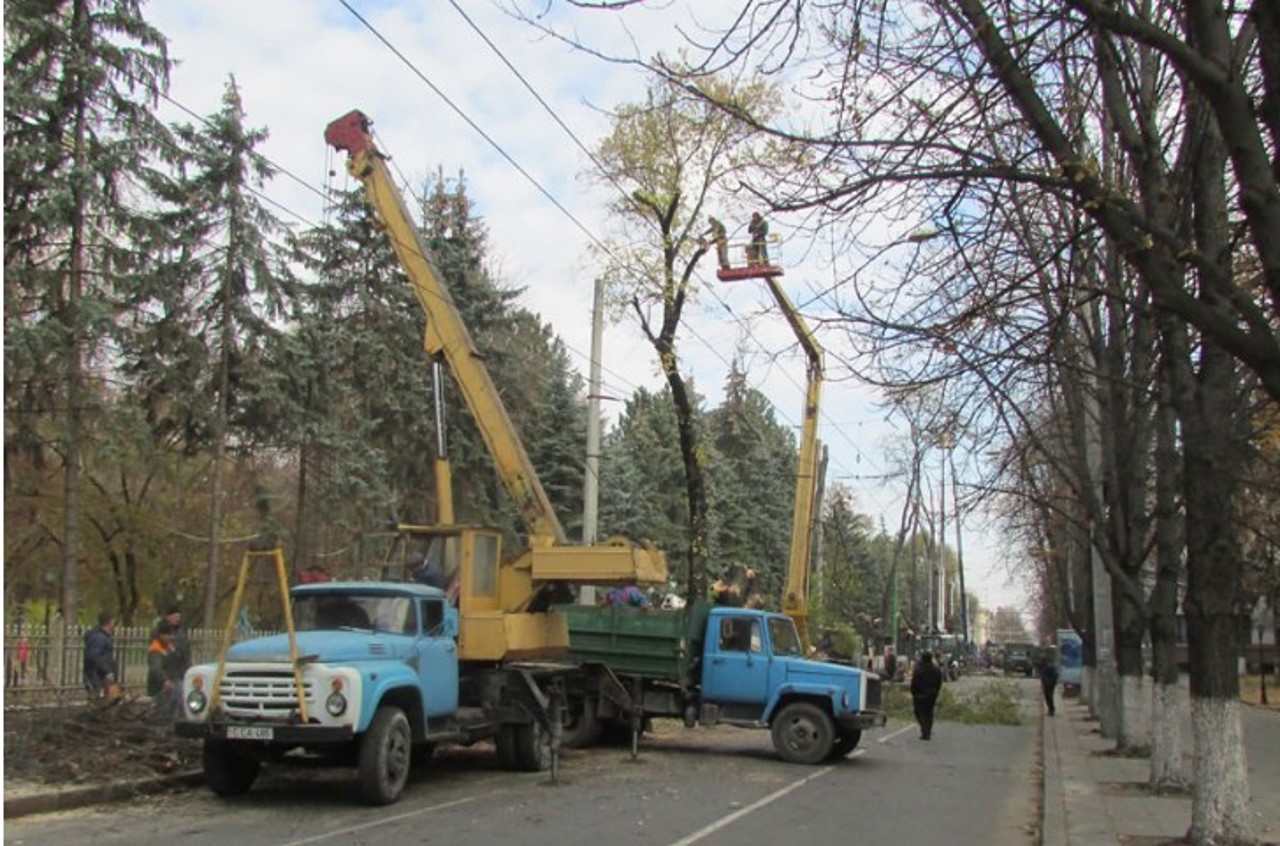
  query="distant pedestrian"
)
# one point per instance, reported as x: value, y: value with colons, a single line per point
x: 20, y: 660
x: 1048, y: 681
x: 163, y: 679
x: 100, y: 659
x: 890, y: 664
x: 926, y: 684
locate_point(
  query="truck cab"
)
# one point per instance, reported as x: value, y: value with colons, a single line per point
x: 754, y: 673
x: 378, y: 672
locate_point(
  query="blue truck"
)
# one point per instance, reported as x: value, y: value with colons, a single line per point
x: 374, y: 681
x: 706, y: 665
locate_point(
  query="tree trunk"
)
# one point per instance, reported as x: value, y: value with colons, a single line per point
x: 220, y: 424
x: 1167, y: 770
x: 1133, y: 726
x: 1212, y: 450
x: 76, y: 396
x: 695, y: 480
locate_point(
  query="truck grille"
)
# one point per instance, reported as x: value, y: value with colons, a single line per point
x: 261, y: 694
x: 873, y: 694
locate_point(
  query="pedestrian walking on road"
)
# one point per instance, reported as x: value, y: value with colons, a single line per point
x: 926, y: 684
x: 1048, y: 681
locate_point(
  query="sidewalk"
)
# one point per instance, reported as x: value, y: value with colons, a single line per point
x: 1092, y: 799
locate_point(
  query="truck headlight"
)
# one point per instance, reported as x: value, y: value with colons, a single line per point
x: 196, y: 701
x: 336, y: 704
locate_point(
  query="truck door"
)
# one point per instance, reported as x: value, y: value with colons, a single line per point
x: 737, y: 666
x: 437, y: 660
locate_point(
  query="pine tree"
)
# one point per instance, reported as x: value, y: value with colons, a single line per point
x: 217, y: 290
x: 79, y: 76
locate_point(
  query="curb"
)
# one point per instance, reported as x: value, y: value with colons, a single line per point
x: 66, y: 799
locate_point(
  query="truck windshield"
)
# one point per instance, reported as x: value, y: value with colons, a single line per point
x: 782, y: 633
x: 327, y: 612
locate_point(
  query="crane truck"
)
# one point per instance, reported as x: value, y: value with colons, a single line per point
x: 374, y: 674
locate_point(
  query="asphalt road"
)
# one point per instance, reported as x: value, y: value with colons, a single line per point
x: 969, y: 785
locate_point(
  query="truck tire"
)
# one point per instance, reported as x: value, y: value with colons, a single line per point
x: 385, y: 756
x: 803, y: 733
x: 533, y: 747
x: 228, y: 771
x: 505, y: 743
x: 580, y: 724
x: 845, y: 742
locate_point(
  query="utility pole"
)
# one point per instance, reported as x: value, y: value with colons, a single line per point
x: 817, y: 525
x: 591, y: 483
x: 964, y: 599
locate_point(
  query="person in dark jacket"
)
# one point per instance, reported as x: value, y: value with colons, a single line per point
x: 926, y: 684
x: 1048, y: 681
x: 758, y: 251
x: 100, y: 658
x: 181, y: 639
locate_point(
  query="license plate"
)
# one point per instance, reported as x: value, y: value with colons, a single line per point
x: 249, y: 733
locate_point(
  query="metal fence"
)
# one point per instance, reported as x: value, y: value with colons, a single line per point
x: 45, y: 665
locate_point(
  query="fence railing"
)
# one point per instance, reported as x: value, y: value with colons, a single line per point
x: 45, y: 665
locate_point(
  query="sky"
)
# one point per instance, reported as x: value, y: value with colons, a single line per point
x: 450, y: 103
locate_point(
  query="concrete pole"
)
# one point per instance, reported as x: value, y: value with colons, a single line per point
x: 591, y: 484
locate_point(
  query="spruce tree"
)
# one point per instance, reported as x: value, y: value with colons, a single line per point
x: 217, y: 290
x: 80, y: 78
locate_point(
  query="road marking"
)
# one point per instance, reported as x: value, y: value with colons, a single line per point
x: 889, y: 737
x: 754, y: 806
x: 315, y: 838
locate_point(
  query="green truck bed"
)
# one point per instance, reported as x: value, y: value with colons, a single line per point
x: 647, y: 642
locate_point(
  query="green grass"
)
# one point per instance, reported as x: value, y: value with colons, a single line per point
x: 995, y: 702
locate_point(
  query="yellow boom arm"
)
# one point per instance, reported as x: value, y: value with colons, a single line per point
x: 447, y: 335
x: 503, y: 604
x: 795, y: 596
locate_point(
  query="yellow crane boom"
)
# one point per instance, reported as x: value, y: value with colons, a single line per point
x: 502, y: 604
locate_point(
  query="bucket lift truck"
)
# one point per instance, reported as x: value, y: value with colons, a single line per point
x: 795, y: 594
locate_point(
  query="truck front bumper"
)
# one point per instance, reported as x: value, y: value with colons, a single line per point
x: 282, y: 734
x: 862, y: 720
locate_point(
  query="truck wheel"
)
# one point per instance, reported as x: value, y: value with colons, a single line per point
x: 227, y: 770
x: 580, y: 725
x: 533, y: 747
x: 803, y: 733
x: 845, y: 742
x: 505, y: 743
x: 385, y: 754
